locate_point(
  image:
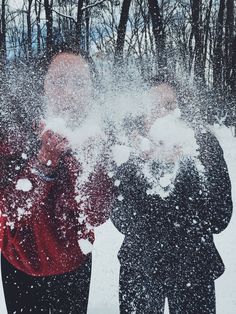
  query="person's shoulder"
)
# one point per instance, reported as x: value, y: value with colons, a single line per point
x: 206, y: 138
x: 131, y: 168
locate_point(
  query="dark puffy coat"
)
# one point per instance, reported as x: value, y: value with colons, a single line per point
x: 173, y: 237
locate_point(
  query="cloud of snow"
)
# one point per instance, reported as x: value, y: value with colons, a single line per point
x: 85, y: 246
x: 24, y: 185
x: 121, y: 124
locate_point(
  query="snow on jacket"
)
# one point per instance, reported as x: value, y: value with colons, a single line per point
x: 172, y: 238
x: 47, y: 225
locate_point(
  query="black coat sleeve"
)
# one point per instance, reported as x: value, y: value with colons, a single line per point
x: 129, y: 208
x: 217, y: 210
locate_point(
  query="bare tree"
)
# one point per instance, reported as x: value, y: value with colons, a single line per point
x: 229, y: 38
x: 197, y: 32
x: 196, y: 35
x: 3, y: 32
x: 87, y: 31
x: 122, y: 31
x: 218, y: 48
x: 206, y: 32
x: 158, y: 31
x: 233, y: 74
x: 38, y: 8
x: 29, y: 31
x: 48, y: 4
x: 79, y: 22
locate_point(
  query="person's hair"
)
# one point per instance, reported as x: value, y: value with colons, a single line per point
x: 187, y: 95
x: 164, y: 76
x: 44, y: 62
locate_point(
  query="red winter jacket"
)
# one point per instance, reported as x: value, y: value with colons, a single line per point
x: 47, y: 225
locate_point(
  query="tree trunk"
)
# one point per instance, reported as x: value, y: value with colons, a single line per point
x: 38, y: 13
x: 87, y: 21
x: 233, y: 74
x: 197, y: 31
x: 49, y: 22
x: 218, y: 49
x: 29, y: 33
x: 207, y: 26
x: 119, y: 49
x: 229, y: 38
x: 158, y: 32
x: 3, y: 34
x: 79, y: 22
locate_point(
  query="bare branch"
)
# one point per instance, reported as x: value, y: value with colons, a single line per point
x: 93, y: 5
x: 60, y: 14
x: 64, y: 15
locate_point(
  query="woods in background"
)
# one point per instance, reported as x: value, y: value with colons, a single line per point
x: 196, y: 36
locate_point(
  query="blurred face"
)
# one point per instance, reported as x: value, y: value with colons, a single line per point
x: 68, y: 86
x: 164, y: 100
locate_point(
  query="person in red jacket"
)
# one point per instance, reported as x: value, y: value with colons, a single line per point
x: 48, y: 227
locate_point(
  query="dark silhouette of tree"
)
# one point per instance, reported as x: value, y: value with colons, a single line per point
x: 3, y: 33
x: 121, y: 32
x: 87, y: 29
x: 233, y: 74
x: 229, y: 38
x: 206, y: 31
x: 29, y: 32
x: 218, y: 48
x: 38, y: 9
x: 158, y: 32
x: 79, y: 23
x: 49, y: 24
x: 198, y: 35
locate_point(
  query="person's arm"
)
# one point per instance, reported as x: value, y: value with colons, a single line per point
x: 29, y: 188
x: 28, y: 191
x: 129, y: 208
x: 217, y: 210
x: 99, y: 195
x: 201, y: 202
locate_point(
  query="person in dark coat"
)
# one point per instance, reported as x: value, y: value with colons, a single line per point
x: 168, y: 250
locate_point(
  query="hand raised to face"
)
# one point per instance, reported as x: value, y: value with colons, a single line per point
x: 53, y: 145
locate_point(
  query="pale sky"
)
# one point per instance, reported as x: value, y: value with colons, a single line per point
x: 15, y: 3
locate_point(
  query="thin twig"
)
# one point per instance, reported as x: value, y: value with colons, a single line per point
x: 93, y: 5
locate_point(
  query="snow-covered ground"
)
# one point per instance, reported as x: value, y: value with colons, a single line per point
x: 105, y: 273
x: 226, y: 241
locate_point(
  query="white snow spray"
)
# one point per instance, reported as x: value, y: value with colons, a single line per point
x: 126, y: 120
x: 123, y: 123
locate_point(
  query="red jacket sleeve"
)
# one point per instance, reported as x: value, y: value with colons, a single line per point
x: 25, y: 194
x: 99, y: 194
x: 92, y: 202
x: 31, y: 191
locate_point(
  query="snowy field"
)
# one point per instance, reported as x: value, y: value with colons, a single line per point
x: 105, y: 273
